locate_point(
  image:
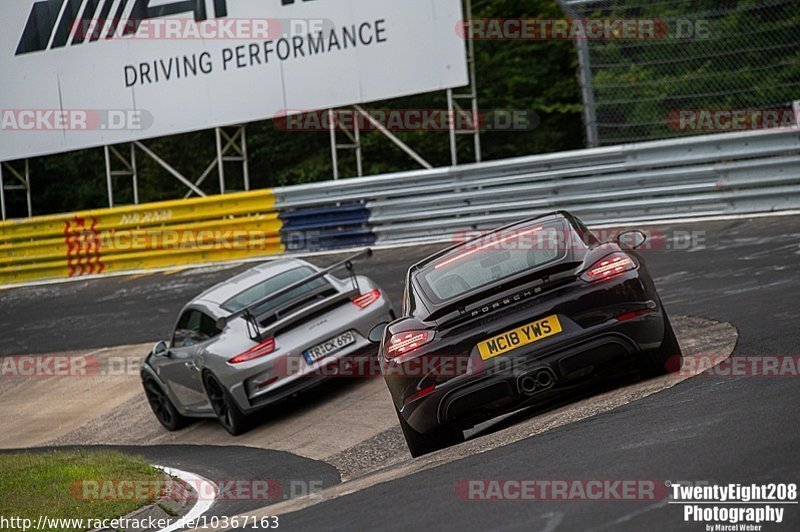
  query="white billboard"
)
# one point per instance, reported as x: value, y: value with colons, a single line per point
x: 85, y: 73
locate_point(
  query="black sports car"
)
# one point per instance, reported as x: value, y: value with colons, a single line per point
x: 513, y: 316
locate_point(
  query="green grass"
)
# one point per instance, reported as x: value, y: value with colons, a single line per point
x: 54, y: 483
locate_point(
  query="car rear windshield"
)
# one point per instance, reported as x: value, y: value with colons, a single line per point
x: 493, y: 258
x: 272, y: 285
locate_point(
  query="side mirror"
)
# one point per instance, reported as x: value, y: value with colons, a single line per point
x: 631, y: 239
x: 376, y: 334
x: 161, y: 349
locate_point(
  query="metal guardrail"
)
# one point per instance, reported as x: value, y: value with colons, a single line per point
x: 149, y: 236
x: 714, y: 174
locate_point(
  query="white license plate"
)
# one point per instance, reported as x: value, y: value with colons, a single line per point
x: 329, y: 347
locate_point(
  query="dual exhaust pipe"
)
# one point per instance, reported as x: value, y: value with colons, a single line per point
x: 536, y: 381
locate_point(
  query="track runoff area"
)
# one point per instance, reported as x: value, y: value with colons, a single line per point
x: 729, y: 284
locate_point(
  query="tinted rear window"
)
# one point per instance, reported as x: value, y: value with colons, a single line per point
x: 272, y: 285
x: 492, y: 259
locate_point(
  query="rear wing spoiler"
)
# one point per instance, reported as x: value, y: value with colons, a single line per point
x: 253, y: 327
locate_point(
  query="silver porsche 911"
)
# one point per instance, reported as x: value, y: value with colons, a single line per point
x: 261, y: 337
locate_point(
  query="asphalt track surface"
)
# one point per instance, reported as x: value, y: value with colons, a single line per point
x: 707, y: 429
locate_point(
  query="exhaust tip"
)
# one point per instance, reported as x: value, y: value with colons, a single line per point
x: 527, y: 384
x: 536, y: 381
x: 544, y: 379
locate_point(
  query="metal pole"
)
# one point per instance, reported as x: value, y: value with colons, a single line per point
x: 220, y: 162
x: 170, y: 169
x: 334, y: 155
x: 28, y: 187
x: 109, y: 184
x: 451, y: 109
x: 2, y: 194
x: 357, y: 134
x: 245, y: 161
x: 587, y: 84
x: 473, y: 80
x: 402, y: 145
x: 135, y: 172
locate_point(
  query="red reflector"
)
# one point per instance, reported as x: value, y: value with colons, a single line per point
x: 405, y: 342
x: 634, y: 314
x: 365, y: 300
x: 419, y: 395
x: 613, y: 265
x: 262, y: 349
x: 268, y: 383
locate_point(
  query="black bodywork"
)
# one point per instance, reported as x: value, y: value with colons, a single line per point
x: 444, y: 385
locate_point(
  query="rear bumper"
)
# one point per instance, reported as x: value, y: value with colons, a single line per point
x: 287, y: 373
x: 304, y: 382
x: 469, y: 399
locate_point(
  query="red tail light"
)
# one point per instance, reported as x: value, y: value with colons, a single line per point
x: 611, y: 266
x: 261, y: 350
x: 365, y: 300
x: 403, y: 343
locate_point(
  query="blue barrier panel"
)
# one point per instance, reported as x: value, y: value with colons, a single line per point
x: 322, y: 228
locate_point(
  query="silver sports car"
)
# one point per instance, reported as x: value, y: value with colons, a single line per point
x: 261, y: 337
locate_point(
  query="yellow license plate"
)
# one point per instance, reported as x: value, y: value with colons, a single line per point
x: 521, y: 336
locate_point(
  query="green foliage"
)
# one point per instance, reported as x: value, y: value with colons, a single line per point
x: 746, y: 58
x: 49, y: 484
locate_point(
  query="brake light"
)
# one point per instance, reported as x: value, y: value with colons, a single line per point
x: 365, y: 300
x: 261, y: 350
x: 403, y: 343
x: 492, y: 243
x: 611, y: 266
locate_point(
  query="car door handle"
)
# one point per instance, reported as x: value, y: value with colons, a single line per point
x: 191, y: 365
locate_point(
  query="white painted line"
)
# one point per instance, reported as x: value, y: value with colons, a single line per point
x: 202, y: 486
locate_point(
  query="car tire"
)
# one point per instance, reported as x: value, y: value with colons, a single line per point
x: 420, y: 444
x: 227, y: 411
x: 162, y: 406
x: 664, y: 360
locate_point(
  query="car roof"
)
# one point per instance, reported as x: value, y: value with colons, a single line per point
x: 222, y: 292
x: 558, y: 215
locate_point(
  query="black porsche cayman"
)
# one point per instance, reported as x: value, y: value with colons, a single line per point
x: 512, y: 317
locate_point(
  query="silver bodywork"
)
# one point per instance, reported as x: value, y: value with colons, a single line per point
x: 181, y: 369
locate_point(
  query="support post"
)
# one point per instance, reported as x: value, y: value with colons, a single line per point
x: 109, y: 181
x: 2, y: 193
x: 220, y: 161
x: 170, y: 169
x: 455, y: 110
x: 451, y: 105
x: 473, y: 80
x: 586, y: 81
x: 28, y: 187
x: 24, y: 179
x: 357, y: 140
x: 135, y: 176
x: 391, y: 136
x: 334, y: 153
x: 245, y: 160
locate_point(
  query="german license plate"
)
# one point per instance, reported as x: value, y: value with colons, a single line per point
x: 521, y: 336
x: 329, y: 347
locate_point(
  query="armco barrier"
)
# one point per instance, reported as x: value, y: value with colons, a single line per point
x: 330, y: 227
x: 709, y: 175
x: 729, y: 173
x: 155, y: 235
